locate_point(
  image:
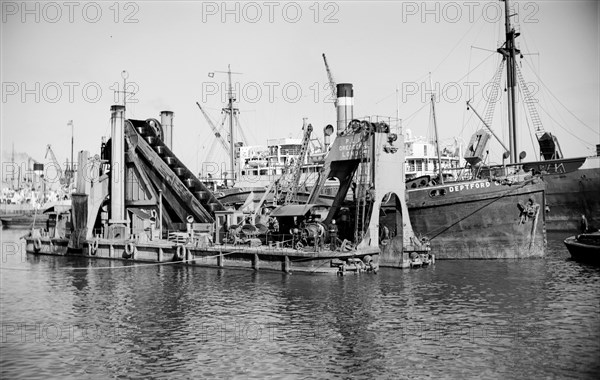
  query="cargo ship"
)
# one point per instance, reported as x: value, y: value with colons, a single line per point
x: 482, y: 219
x: 496, y: 198
x: 572, y: 183
x: 487, y: 212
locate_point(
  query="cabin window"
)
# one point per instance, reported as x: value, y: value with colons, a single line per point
x: 425, y: 150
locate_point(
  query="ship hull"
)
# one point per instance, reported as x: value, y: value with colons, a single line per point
x: 264, y: 258
x: 572, y: 194
x: 22, y: 221
x: 480, y: 219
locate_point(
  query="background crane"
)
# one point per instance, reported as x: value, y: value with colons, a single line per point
x: 59, y: 170
x: 332, y: 86
x: 215, y: 130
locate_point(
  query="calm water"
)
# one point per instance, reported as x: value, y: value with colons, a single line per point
x: 73, y: 318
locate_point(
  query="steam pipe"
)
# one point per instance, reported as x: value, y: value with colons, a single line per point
x: 117, y: 165
x: 166, y: 119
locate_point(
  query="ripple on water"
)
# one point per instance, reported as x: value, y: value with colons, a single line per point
x: 69, y: 318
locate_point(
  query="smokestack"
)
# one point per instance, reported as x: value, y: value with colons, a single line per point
x: 117, y: 165
x: 345, y: 106
x: 166, y: 119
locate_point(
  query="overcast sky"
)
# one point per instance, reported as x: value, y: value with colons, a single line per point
x: 61, y: 62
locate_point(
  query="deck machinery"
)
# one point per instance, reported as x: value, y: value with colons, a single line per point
x: 137, y: 193
x: 151, y: 187
x: 361, y: 158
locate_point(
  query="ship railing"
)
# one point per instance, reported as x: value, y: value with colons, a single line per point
x: 489, y: 172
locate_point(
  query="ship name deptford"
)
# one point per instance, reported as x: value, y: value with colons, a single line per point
x: 470, y: 186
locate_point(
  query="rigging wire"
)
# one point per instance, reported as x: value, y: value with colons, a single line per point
x: 489, y: 81
x: 442, y: 61
x: 394, y: 93
x: 458, y: 42
x: 531, y: 132
x: 406, y: 120
x: 548, y: 101
x: 476, y: 67
x: 469, y: 71
x: 565, y: 129
x: 240, y: 130
x: 470, y: 117
x: 558, y: 100
x: 465, y: 109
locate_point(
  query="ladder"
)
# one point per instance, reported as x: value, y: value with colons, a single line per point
x: 530, y: 102
x: 360, y: 212
x: 362, y: 189
x: 491, y: 106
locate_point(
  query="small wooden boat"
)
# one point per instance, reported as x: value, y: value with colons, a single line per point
x: 416, y: 261
x: 427, y: 258
x: 585, y: 247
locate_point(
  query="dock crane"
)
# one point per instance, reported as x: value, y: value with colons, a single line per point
x: 280, y: 185
x: 332, y: 86
x: 214, y: 128
x: 49, y: 151
x: 296, y: 169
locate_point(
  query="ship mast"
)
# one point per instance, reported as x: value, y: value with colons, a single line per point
x: 435, y: 130
x: 509, y: 52
x: 71, y: 174
x: 437, y: 139
x: 231, y: 111
x: 12, y: 159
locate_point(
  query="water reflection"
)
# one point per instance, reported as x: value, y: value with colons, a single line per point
x: 491, y: 319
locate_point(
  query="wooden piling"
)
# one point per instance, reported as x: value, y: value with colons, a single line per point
x: 255, y: 262
x: 286, y: 264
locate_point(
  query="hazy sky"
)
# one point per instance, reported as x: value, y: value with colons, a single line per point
x: 61, y: 62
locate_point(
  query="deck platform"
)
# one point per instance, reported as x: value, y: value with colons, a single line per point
x: 269, y: 258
